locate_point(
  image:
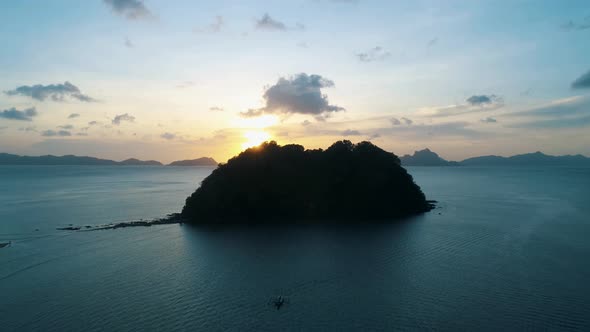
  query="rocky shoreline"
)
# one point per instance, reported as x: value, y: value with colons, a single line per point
x: 173, y: 218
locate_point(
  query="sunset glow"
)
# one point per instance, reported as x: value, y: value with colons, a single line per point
x: 255, y: 138
x: 161, y: 80
x: 260, y: 122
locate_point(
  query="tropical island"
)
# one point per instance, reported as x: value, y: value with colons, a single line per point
x: 425, y: 158
x: 71, y: 160
x: 278, y: 184
x: 204, y: 161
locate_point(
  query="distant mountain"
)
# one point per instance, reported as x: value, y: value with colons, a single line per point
x: 428, y: 158
x: 425, y: 158
x: 536, y: 159
x: 11, y: 159
x: 137, y: 162
x: 195, y: 162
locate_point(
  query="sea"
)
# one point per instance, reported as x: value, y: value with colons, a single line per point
x: 507, y: 248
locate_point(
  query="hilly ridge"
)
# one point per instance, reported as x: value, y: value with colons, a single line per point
x: 428, y: 158
x: 12, y: 159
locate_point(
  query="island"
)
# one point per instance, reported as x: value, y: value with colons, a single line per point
x: 529, y: 159
x: 137, y: 162
x: 282, y: 184
x: 426, y: 158
x: 71, y: 160
x: 205, y: 161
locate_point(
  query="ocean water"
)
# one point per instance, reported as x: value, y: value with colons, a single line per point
x: 507, y: 249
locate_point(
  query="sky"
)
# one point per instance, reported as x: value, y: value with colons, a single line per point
x: 182, y: 79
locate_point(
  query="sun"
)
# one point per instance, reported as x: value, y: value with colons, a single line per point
x: 255, y: 138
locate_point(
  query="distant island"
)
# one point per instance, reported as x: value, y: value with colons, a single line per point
x: 277, y: 184
x: 195, y: 162
x: 536, y: 159
x: 428, y: 158
x: 11, y: 159
x: 425, y: 158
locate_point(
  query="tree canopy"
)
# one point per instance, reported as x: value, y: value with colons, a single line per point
x: 273, y: 183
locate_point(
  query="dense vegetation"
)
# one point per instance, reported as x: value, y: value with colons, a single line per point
x: 287, y: 183
x: 195, y: 162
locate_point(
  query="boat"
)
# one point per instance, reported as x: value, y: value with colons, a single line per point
x: 278, y: 302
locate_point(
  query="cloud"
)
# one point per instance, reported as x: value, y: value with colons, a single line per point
x: 57, y: 92
x: 478, y: 100
x: 578, y: 122
x: 407, y: 121
x: 427, y: 132
x: 282, y: 134
x: 306, y: 123
x: 460, y: 130
x: 527, y: 92
x: 582, y: 82
x: 374, y: 54
x: 94, y: 123
x: 53, y: 133
x: 475, y: 103
x: 571, y: 106
x: 185, y: 84
x: 299, y: 94
x: 572, y: 112
x: 123, y: 117
x: 14, y: 114
x: 67, y: 127
x: 488, y: 120
x: 28, y: 129
x: 73, y: 116
x: 571, y: 25
x: 168, y: 136
x: 214, y: 27
x: 268, y: 23
x: 349, y: 132
x: 130, y: 9
x: 216, y: 109
x: 397, y: 122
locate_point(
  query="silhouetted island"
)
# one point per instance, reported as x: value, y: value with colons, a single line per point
x: 426, y: 158
x: 429, y: 158
x: 71, y: 160
x: 529, y: 159
x: 352, y: 182
x: 11, y: 159
x: 205, y: 161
